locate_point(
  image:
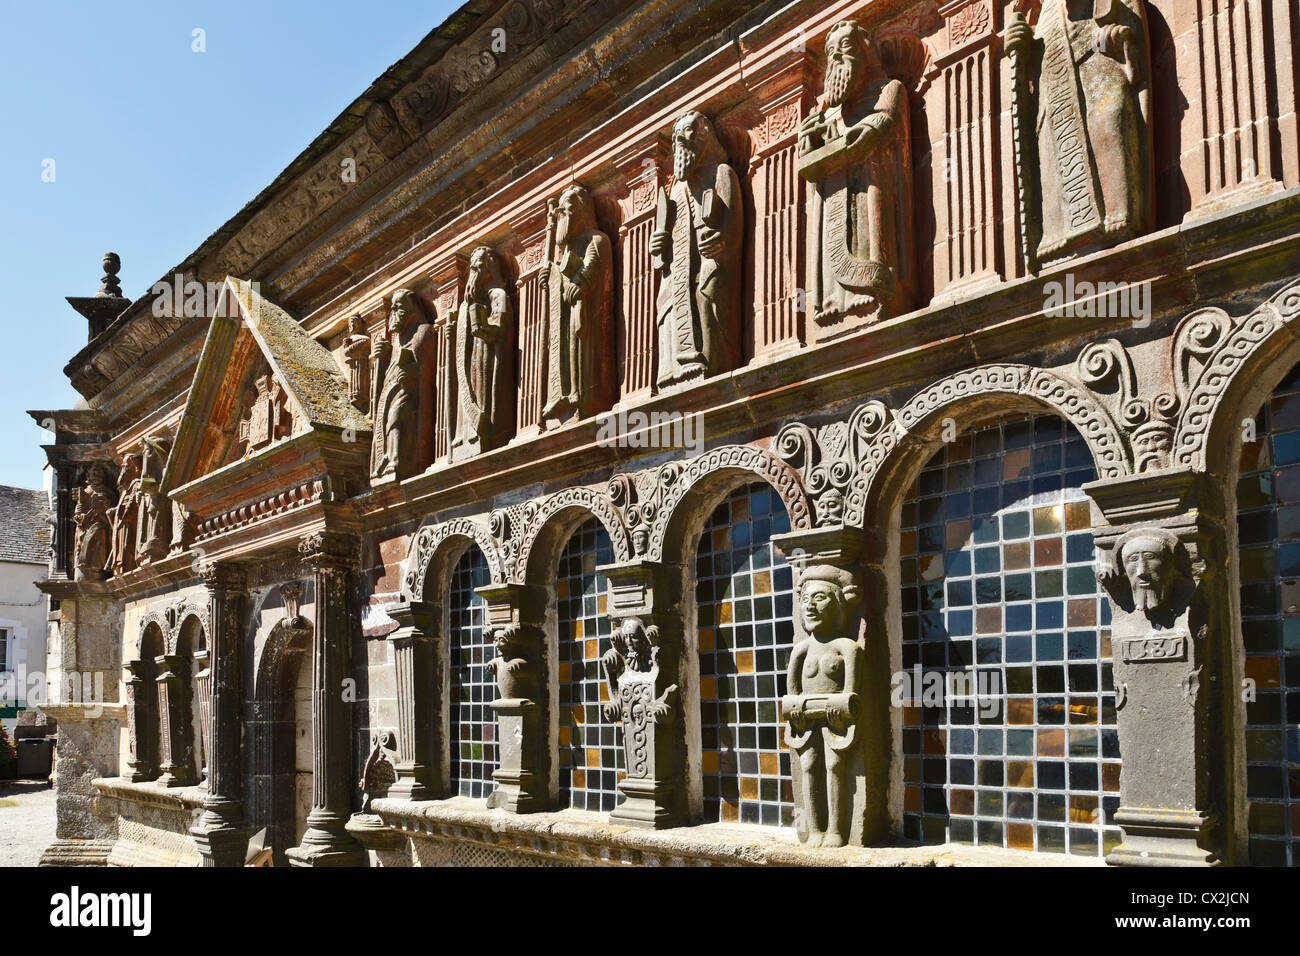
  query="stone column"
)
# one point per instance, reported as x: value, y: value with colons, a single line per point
x: 333, y: 558
x: 1159, y: 539
x: 139, y: 721
x: 221, y: 833
x: 642, y: 669
x: 419, y: 691
x: 514, y: 618
x: 176, y: 765
x: 838, y: 729
x: 203, y: 709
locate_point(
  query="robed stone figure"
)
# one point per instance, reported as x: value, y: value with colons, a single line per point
x: 90, y: 517
x: 856, y: 153
x: 697, y: 245
x: 482, y: 330
x: 578, y: 280
x: 404, y: 409
x: 1083, y: 78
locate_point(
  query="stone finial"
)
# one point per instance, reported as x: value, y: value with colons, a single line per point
x: 109, y: 284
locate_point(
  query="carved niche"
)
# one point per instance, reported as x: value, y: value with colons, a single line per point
x: 856, y: 153
x: 578, y: 292
x: 404, y: 405
x: 697, y: 244
x: 1080, y: 120
x: 482, y: 331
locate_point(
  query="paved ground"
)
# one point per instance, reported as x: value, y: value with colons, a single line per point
x: 28, y: 828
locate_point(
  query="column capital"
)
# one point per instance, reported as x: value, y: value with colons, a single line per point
x: 336, y: 549
x: 415, y: 620
x: 224, y: 576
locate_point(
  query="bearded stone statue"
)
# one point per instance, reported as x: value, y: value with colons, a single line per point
x: 697, y: 245
x: 1147, y: 560
x: 404, y: 409
x: 1083, y: 77
x: 91, y: 518
x: 856, y: 152
x: 121, y: 556
x: 821, y: 706
x: 578, y: 278
x: 482, y: 330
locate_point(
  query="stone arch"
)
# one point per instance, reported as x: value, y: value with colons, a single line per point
x: 272, y: 730
x: 439, y: 541
x: 166, y: 639
x: 688, y: 494
x: 1238, y: 363
x: 899, y: 448
x: 191, y: 614
x: 549, y: 525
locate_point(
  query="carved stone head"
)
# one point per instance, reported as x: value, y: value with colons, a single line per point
x: 405, y: 311
x: 575, y: 214
x: 635, y: 644
x: 850, y: 62
x: 694, y: 142
x: 827, y: 598
x: 484, y: 273
x: 130, y: 470
x: 1147, y: 558
x: 356, y: 325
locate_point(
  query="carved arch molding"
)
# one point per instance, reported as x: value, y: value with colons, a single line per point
x: 171, y: 622
x: 828, y: 474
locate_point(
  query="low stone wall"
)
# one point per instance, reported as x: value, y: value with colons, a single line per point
x: 463, y: 832
x: 151, y: 822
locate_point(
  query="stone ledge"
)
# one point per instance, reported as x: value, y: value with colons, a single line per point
x: 589, y: 839
x: 176, y: 798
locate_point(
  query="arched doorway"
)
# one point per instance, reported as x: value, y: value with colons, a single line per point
x: 281, y: 732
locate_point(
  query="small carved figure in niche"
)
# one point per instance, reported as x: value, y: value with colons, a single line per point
x: 821, y: 706
x: 122, y: 554
x: 634, y: 650
x: 404, y: 406
x: 514, y: 672
x: 356, y: 353
x: 380, y: 770
x: 697, y: 243
x: 154, y: 526
x: 482, y: 330
x: 94, y: 529
x: 1082, y: 78
x: 578, y: 281
x: 856, y: 152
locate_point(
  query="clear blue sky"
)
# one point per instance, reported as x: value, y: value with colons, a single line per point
x: 147, y: 138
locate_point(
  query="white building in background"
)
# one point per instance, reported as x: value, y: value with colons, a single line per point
x: 24, y: 559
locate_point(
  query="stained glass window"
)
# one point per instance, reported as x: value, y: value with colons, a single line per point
x: 1268, y: 536
x: 473, y: 686
x: 744, y: 600
x: 591, y: 748
x: 1009, y: 732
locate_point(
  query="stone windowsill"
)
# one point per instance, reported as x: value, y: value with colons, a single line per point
x: 149, y: 792
x: 587, y: 837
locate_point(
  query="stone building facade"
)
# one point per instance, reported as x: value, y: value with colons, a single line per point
x: 719, y: 432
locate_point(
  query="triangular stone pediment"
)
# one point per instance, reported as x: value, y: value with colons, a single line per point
x: 261, y: 381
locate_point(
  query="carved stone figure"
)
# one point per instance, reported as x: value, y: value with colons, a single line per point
x: 1147, y: 559
x: 94, y: 528
x: 1082, y: 76
x: 404, y: 407
x: 356, y: 353
x: 514, y: 672
x: 856, y: 153
x: 482, y: 331
x: 380, y: 770
x: 154, y: 524
x: 578, y: 281
x: 821, y: 706
x: 697, y: 244
x: 267, y: 417
x: 122, y: 554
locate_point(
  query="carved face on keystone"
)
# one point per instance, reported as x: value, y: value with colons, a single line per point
x: 822, y: 603
x: 846, y: 62
x: 575, y: 215
x: 693, y: 137
x: 1148, y: 561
